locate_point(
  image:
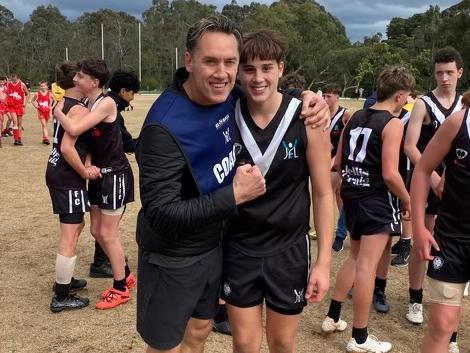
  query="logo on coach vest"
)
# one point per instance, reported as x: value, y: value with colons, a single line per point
x: 105, y: 199
x: 222, y: 122
x: 437, y: 263
x: 291, y: 151
x: 223, y: 169
x: 461, y: 153
x: 226, y: 134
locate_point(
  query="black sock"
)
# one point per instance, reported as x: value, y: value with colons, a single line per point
x: 335, y: 310
x: 360, y: 334
x: 61, y: 291
x: 120, y: 284
x: 127, y: 270
x: 99, y: 256
x: 380, y: 284
x: 453, y: 338
x: 221, y: 314
x: 416, y: 296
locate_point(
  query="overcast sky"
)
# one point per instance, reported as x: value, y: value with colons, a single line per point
x: 360, y: 17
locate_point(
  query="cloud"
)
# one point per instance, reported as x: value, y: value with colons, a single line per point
x: 360, y: 17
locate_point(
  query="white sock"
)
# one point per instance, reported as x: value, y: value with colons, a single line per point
x: 64, y: 267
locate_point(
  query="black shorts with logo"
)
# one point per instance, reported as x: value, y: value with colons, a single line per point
x: 68, y: 201
x: 280, y: 279
x: 113, y: 190
x: 452, y: 263
x: 373, y: 215
x: 168, y: 297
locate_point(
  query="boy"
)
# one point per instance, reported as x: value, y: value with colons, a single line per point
x: 447, y: 250
x: 43, y: 102
x: 267, y: 249
x: 339, y: 118
x: 17, y: 96
x: 110, y: 194
x: 370, y: 146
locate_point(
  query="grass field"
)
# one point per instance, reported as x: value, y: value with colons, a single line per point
x: 28, y: 244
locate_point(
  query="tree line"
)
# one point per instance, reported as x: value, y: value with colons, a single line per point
x: 319, y: 49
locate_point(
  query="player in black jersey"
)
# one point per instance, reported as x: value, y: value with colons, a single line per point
x: 266, y: 247
x: 339, y: 118
x: 428, y: 114
x: 448, y: 250
x: 370, y: 146
x: 124, y: 85
x: 109, y: 194
x: 65, y: 177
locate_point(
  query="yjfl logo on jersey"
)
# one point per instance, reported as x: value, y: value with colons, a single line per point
x: 291, y: 149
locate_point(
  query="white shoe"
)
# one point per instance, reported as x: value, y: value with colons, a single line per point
x: 415, y: 313
x: 329, y: 326
x: 465, y: 291
x: 372, y: 345
x: 454, y: 347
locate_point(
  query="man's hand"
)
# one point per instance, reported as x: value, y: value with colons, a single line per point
x: 58, y: 110
x: 315, y: 111
x: 318, y: 283
x: 248, y: 183
x: 422, y: 242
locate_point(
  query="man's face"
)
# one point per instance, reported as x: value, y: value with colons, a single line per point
x: 43, y: 87
x: 84, y: 82
x: 213, y: 67
x: 14, y: 79
x: 447, y: 75
x: 331, y: 99
x: 128, y: 96
x: 260, y: 78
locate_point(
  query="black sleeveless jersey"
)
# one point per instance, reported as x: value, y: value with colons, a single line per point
x: 271, y: 223
x: 336, y: 127
x: 107, y: 150
x: 361, y: 155
x: 59, y: 174
x: 453, y: 220
x: 437, y: 113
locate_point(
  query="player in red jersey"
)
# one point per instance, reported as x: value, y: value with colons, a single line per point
x: 43, y: 102
x: 3, y: 103
x: 17, y: 96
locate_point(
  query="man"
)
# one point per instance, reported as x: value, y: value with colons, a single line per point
x: 43, y: 102
x: 370, y: 146
x: 429, y: 112
x: 189, y: 186
x: 17, y: 97
x: 123, y: 85
x: 447, y: 250
x: 339, y: 118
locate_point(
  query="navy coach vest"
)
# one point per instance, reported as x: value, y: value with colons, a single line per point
x: 205, y: 135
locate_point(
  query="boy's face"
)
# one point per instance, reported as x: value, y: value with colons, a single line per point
x: 43, y: 87
x: 260, y: 78
x: 331, y: 99
x: 85, y: 82
x: 447, y: 75
x: 127, y: 95
x: 401, y: 98
x: 2, y: 82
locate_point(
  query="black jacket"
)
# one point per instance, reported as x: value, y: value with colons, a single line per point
x: 175, y: 219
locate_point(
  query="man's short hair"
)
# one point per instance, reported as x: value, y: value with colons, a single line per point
x: 332, y: 88
x: 448, y: 55
x: 263, y: 45
x: 97, y: 69
x: 124, y: 79
x: 393, y: 79
x: 219, y: 23
x: 466, y: 98
x: 65, y: 73
x: 292, y: 80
